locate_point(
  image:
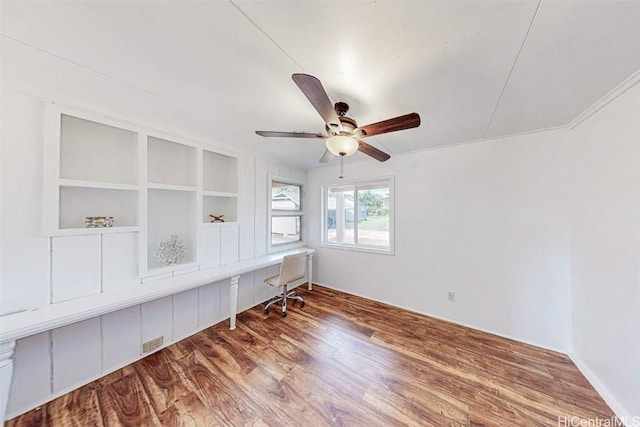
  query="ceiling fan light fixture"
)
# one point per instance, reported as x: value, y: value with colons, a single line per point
x: 342, y: 145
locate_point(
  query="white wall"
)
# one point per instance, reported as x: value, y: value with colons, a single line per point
x: 52, y: 363
x: 606, y: 250
x: 538, y: 235
x: 487, y: 220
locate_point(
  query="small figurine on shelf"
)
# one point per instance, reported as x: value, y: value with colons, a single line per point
x: 170, y: 251
x: 217, y: 218
x: 98, y: 221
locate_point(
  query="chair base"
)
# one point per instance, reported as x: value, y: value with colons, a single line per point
x: 284, y: 297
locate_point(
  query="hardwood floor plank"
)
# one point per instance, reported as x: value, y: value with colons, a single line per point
x: 399, y: 378
x: 33, y: 418
x: 124, y: 403
x: 188, y: 411
x: 277, y: 401
x: 79, y: 408
x: 218, y: 392
x: 406, y: 411
x: 271, y: 361
x: 339, y: 360
x: 334, y: 407
x: 161, y: 381
x: 230, y: 358
x: 347, y: 382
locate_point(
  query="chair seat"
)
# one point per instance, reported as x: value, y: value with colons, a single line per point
x: 274, y: 281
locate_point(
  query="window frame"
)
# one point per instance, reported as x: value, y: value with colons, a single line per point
x: 274, y: 213
x: 359, y: 247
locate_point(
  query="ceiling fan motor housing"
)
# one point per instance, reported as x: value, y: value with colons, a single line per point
x: 348, y: 125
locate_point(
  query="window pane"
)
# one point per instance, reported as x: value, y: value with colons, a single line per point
x: 285, y: 229
x: 285, y: 196
x: 340, y: 215
x: 373, y: 216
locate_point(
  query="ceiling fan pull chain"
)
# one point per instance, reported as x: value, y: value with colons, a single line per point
x: 341, y: 167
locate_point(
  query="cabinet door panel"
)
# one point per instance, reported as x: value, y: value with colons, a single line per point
x: 210, y: 247
x: 229, y: 245
x: 119, y: 261
x: 75, y: 267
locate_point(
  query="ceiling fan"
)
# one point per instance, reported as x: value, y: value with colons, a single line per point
x: 343, y: 136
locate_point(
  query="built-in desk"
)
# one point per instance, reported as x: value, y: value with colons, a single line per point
x: 23, y: 324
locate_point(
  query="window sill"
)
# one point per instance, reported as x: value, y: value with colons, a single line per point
x: 366, y: 249
x: 285, y: 247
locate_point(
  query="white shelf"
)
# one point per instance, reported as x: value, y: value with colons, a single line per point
x: 220, y: 224
x: 96, y: 184
x: 173, y: 270
x: 102, y: 230
x: 155, y: 186
x: 219, y: 194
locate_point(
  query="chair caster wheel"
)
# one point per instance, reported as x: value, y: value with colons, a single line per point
x: 266, y: 311
x: 284, y: 314
x: 301, y: 304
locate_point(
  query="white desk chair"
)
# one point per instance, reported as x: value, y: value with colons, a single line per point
x: 291, y: 269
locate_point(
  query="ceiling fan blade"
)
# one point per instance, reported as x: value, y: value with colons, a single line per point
x: 326, y: 157
x: 372, y: 151
x: 276, y: 134
x: 407, y: 121
x: 315, y: 93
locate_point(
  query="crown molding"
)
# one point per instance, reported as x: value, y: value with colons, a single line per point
x: 627, y: 84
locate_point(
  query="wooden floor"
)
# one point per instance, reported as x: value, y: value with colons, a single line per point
x: 339, y: 360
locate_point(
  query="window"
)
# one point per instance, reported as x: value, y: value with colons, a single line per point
x: 285, y: 212
x: 359, y: 215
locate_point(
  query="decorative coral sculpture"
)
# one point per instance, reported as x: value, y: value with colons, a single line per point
x: 170, y: 251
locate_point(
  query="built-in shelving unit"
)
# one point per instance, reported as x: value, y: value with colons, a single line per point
x: 154, y: 185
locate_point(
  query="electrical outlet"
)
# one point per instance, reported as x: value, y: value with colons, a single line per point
x: 152, y: 345
x: 451, y: 296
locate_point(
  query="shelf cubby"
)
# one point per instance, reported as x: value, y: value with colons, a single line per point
x: 219, y: 205
x: 171, y: 212
x: 220, y: 172
x: 77, y: 203
x: 93, y: 151
x: 171, y: 163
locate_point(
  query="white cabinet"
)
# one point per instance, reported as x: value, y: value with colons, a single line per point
x: 154, y: 186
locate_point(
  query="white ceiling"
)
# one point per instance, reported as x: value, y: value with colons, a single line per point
x: 471, y: 69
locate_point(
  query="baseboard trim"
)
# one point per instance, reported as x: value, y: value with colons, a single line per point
x: 488, y: 331
x: 603, y: 391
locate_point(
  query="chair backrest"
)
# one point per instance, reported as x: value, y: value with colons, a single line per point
x: 292, y: 268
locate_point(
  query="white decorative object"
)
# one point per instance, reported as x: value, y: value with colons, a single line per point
x: 170, y: 251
